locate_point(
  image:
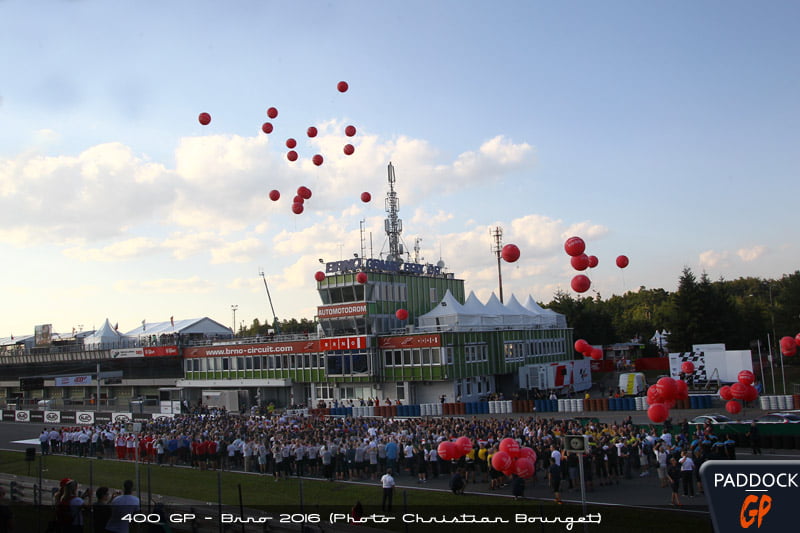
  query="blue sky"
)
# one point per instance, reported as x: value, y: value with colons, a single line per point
x: 664, y: 131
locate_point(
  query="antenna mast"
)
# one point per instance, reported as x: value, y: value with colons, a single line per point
x: 275, y: 323
x: 394, y: 226
x: 497, y: 234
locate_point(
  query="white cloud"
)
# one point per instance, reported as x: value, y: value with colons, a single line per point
x: 118, y: 251
x: 237, y: 252
x: 95, y: 195
x: 751, y: 254
x: 712, y: 259
x: 192, y: 285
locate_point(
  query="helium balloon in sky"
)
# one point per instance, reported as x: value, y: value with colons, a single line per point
x: 574, y: 246
x: 510, y: 253
x: 342, y: 86
x: 204, y: 118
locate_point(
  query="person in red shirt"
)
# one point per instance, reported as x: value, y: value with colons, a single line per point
x: 211, y: 453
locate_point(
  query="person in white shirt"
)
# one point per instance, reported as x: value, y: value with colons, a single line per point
x: 387, y: 482
x: 122, y: 505
x: 687, y: 474
x: 555, y: 455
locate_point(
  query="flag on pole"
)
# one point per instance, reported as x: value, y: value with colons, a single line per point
x: 142, y: 324
x: 172, y: 321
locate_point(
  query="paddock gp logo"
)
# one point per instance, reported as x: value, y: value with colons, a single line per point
x: 759, y: 496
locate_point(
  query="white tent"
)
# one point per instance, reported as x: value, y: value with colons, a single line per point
x: 449, y: 313
x: 105, y: 336
x: 551, y: 318
x: 527, y: 317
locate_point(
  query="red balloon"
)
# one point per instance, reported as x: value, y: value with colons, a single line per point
x: 787, y: 343
x: 401, y: 314
x: 654, y: 395
x: 580, y: 345
x: 361, y: 277
x: 524, y: 468
x: 291, y: 155
x: 746, y: 377
x: 797, y: 339
x: 574, y: 246
x: 733, y: 407
x: 738, y: 390
x: 342, y: 86
x: 593, y: 261
x: 366, y: 197
x: 464, y: 444
x: 204, y: 118
x: 297, y: 208
x: 290, y: 143
x: 687, y: 367
x: 750, y: 394
x: 682, y: 390
x: 622, y: 261
x: 350, y: 131
x: 501, y: 461
x: 579, y: 262
x: 580, y: 283
x: 725, y: 392
x: 272, y: 112
x: 311, y: 131
x: 657, y: 413
x: 447, y: 450
x: 791, y: 352
x: 597, y: 354
x: 319, y: 276
x: 266, y: 127
x: 667, y: 387
x: 298, y: 199
x: 527, y: 453
x: 304, y: 192
x: 317, y: 159
x: 510, y: 253
x: 348, y: 149
x: 274, y: 195
x: 510, y: 446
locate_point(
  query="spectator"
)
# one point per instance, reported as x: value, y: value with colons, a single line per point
x: 387, y: 483
x: 121, y: 505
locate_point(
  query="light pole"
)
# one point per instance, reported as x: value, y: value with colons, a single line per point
x: 234, y: 308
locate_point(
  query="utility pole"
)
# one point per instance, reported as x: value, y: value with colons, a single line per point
x: 497, y: 234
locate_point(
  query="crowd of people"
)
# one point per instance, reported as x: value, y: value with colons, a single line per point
x: 364, y: 448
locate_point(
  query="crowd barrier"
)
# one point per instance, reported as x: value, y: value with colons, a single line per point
x: 783, y: 402
x: 563, y: 405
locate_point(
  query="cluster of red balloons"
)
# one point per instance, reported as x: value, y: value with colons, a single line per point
x: 511, y: 458
x: 291, y: 143
x: 662, y: 396
x: 575, y: 248
x: 581, y: 346
x: 303, y: 194
x: 580, y: 261
x: 742, y: 390
x: 510, y: 253
x: 789, y: 345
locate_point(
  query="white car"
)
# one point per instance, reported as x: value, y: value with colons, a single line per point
x: 778, y: 418
x: 714, y: 419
